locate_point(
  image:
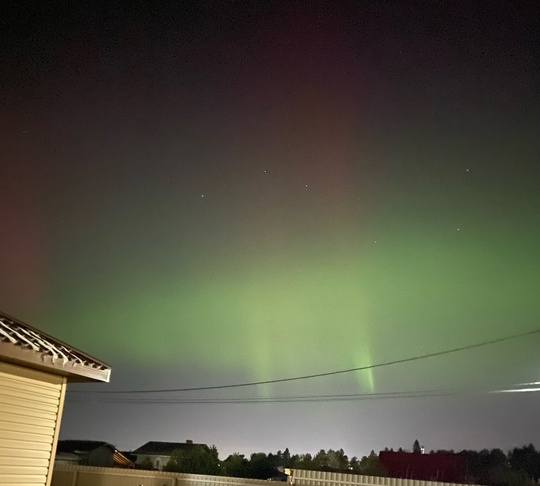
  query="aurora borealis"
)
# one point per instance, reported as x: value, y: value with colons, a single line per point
x: 208, y: 195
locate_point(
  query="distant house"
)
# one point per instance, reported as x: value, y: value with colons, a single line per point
x: 438, y: 466
x: 34, y: 371
x: 157, y: 454
x: 91, y: 453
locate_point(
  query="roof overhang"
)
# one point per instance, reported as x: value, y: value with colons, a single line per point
x: 24, y: 345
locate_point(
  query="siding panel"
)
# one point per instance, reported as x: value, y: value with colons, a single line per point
x: 8, y: 452
x: 27, y: 412
x: 25, y: 470
x: 22, y: 427
x: 27, y: 420
x: 29, y: 405
x: 25, y: 436
x: 16, y: 445
x: 30, y: 395
x: 40, y: 389
x: 23, y: 461
x: 23, y: 478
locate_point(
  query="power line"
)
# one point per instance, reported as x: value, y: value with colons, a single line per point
x: 320, y: 375
x: 315, y: 398
x: 256, y: 400
x: 264, y: 399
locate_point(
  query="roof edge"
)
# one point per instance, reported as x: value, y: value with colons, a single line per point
x: 77, y: 366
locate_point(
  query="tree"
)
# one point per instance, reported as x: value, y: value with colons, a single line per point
x: 505, y: 476
x: 497, y: 458
x: 320, y: 461
x: 198, y: 459
x: 236, y: 465
x: 337, y: 460
x: 302, y: 461
x: 261, y: 466
x: 416, y: 447
x: 146, y: 463
x: 286, y: 457
x: 482, y: 467
x: 371, y: 465
x: 354, y: 465
x: 526, y: 459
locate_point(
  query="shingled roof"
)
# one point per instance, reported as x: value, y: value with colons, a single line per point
x: 155, y: 448
x: 82, y: 448
x: 27, y: 346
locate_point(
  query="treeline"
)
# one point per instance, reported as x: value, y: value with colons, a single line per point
x: 201, y: 459
x: 520, y: 467
x: 264, y: 466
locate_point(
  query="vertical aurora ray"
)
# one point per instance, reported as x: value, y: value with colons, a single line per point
x: 365, y: 378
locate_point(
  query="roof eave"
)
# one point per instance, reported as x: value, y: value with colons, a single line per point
x: 75, y: 372
x: 76, y: 365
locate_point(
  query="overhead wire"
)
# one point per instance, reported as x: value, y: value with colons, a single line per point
x: 317, y: 375
x: 313, y: 398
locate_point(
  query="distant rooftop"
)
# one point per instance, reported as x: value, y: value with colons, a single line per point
x: 82, y: 448
x: 156, y: 448
x: 24, y: 345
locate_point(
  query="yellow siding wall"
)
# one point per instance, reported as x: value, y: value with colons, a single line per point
x: 30, y: 410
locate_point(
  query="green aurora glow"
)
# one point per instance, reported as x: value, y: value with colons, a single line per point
x: 204, y: 195
x: 315, y: 302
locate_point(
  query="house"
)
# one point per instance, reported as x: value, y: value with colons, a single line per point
x: 91, y: 453
x: 437, y: 466
x: 156, y: 454
x: 34, y: 371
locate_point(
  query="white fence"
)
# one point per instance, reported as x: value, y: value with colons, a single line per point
x: 300, y: 477
x: 65, y: 475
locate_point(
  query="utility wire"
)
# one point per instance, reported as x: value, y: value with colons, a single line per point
x: 260, y: 399
x: 215, y: 401
x: 320, y: 375
x: 313, y: 398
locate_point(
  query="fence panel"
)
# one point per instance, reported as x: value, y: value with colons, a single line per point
x: 65, y: 475
x: 74, y: 475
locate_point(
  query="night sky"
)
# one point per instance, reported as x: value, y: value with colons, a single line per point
x: 214, y: 193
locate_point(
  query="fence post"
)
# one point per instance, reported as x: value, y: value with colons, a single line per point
x: 75, y: 477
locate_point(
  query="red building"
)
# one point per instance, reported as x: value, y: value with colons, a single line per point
x: 439, y: 466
